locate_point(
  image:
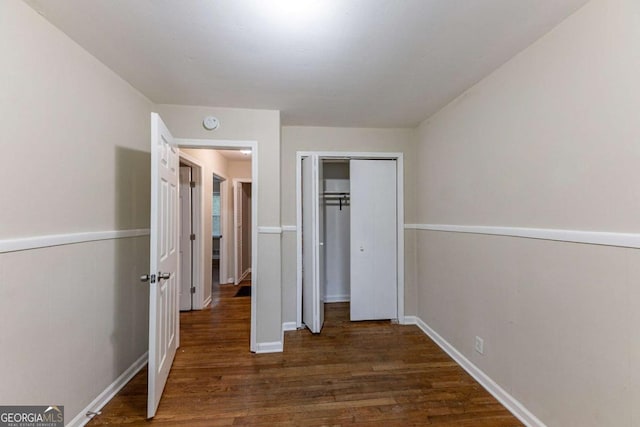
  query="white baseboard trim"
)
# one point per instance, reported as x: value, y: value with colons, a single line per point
x: 624, y: 240
x: 103, y: 398
x: 510, y: 402
x: 37, y: 242
x: 269, y: 347
x: 206, y: 302
x: 245, y: 274
x: 240, y: 279
x: 337, y: 298
x: 289, y: 326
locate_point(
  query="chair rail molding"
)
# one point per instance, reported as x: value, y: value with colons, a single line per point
x: 605, y: 238
x: 37, y: 242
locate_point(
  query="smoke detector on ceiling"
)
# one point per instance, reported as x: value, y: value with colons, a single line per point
x: 210, y: 123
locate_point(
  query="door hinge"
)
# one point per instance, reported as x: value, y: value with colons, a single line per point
x: 193, y: 290
x: 192, y: 184
x: 192, y: 237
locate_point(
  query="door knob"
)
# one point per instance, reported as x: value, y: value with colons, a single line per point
x: 148, y: 277
x: 163, y: 276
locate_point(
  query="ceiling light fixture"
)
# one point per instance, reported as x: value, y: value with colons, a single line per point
x: 295, y: 13
x: 245, y: 152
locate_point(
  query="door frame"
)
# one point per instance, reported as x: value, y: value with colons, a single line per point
x: 223, y: 144
x: 348, y: 155
x: 222, y: 273
x: 186, y: 204
x: 236, y: 182
x: 197, y: 196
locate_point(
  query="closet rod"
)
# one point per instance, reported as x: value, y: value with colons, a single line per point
x: 341, y: 197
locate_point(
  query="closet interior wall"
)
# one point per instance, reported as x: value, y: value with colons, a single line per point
x: 337, y: 228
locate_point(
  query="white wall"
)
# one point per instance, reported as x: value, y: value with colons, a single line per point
x: 75, y: 141
x: 549, y: 140
x: 305, y: 138
x: 239, y: 168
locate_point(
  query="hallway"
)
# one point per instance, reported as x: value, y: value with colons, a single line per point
x: 354, y: 373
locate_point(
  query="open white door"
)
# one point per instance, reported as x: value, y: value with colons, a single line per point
x: 312, y: 246
x: 164, y: 323
x: 374, y: 248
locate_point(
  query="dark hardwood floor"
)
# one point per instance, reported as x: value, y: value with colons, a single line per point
x: 353, y: 373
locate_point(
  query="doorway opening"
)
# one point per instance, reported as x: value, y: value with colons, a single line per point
x: 242, y: 228
x: 337, y: 229
x: 227, y: 204
x: 350, y: 226
x: 216, y: 232
x: 222, y: 162
x: 186, y: 238
x: 190, y: 292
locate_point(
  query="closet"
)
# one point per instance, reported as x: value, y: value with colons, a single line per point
x: 349, y: 237
x: 337, y: 222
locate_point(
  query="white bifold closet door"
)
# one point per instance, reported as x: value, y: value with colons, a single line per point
x: 313, y: 281
x: 374, y: 228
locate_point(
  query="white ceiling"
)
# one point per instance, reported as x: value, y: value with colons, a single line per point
x: 370, y: 63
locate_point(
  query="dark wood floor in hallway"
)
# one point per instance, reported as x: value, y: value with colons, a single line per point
x: 354, y: 373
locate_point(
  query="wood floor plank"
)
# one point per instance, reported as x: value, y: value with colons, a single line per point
x: 353, y: 373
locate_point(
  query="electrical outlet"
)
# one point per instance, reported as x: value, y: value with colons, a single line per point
x: 479, y: 346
